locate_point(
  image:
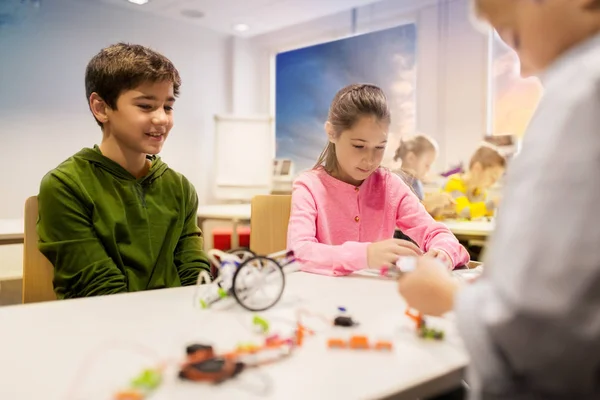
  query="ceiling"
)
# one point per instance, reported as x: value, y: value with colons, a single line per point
x: 261, y: 16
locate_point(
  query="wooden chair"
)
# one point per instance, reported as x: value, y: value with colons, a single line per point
x: 38, y: 272
x: 269, y: 218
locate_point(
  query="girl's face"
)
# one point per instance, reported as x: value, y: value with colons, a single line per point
x: 485, y: 178
x: 359, y: 150
x: 420, y: 165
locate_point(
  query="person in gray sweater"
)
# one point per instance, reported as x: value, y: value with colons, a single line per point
x: 531, y: 322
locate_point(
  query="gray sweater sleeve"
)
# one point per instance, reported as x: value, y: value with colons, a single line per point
x: 532, y: 322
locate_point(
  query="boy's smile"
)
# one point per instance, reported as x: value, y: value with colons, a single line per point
x: 143, y: 117
x: 137, y: 126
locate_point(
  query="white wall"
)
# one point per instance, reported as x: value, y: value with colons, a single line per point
x: 43, y: 111
x: 451, y: 70
x: 464, y: 80
x: 245, y: 68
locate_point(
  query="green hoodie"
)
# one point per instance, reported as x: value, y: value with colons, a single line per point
x: 107, y: 232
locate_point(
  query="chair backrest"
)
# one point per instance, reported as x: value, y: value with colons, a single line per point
x: 269, y: 220
x: 38, y: 272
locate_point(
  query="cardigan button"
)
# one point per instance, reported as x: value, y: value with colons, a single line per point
x: 357, y: 218
x: 356, y: 189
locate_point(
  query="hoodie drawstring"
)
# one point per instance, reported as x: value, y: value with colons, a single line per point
x: 141, y: 191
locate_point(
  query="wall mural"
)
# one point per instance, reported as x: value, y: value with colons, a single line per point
x: 15, y: 11
x: 308, y: 78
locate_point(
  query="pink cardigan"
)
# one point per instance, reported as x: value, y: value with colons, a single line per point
x: 333, y: 222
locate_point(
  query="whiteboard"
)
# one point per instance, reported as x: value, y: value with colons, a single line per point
x: 244, y: 154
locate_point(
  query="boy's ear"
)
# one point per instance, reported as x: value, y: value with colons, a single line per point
x: 98, y: 107
x: 590, y: 4
x: 330, y: 132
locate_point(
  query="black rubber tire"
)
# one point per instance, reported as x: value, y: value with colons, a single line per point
x: 237, y: 273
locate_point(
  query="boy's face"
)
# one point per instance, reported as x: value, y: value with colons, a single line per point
x: 359, y: 150
x: 143, y: 117
x: 538, y: 30
x: 485, y: 178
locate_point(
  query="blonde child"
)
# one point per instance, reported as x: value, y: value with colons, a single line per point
x: 346, y: 208
x: 531, y: 323
x: 469, y: 190
x: 417, y: 154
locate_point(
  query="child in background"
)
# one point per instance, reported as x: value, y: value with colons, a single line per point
x: 531, y: 322
x: 345, y: 210
x: 469, y: 190
x: 115, y: 218
x: 417, y: 155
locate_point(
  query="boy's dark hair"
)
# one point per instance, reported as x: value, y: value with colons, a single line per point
x: 122, y: 67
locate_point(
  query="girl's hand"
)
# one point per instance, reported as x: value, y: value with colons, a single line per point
x: 434, y: 202
x: 386, y: 252
x: 430, y: 289
x: 442, y: 257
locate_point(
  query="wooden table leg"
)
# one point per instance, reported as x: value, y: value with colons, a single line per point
x: 235, y: 239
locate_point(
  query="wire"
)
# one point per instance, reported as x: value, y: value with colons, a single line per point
x: 204, y: 278
x: 92, y: 357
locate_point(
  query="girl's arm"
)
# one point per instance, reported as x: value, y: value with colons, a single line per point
x: 415, y: 221
x: 314, y: 256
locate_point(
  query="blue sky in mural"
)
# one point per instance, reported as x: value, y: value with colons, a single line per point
x: 307, y: 80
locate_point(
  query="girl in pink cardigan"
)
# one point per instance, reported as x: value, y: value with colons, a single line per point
x: 345, y: 210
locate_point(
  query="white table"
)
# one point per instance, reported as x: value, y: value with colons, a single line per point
x: 236, y: 213
x: 471, y: 230
x: 44, y: 346
x: 11, y: 231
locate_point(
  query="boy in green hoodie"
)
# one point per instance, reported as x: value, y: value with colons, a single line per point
x: 115, y: 218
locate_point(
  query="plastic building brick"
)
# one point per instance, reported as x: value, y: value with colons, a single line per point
x: 344, y: 321
x: 202, y: 365
x: 359, y: 342
x: 422, y: 329
x: 261, y: 323
x: 383, y: 345
x: 337, y: 344
x: 141, y: 386
x: 429, y: 333
x: 131, y: 394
